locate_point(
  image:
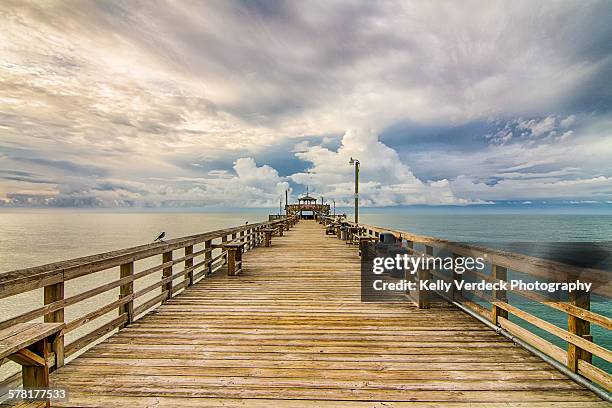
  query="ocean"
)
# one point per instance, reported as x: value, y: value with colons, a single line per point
x: 35, y: 237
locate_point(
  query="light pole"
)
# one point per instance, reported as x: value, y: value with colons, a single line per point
x: 356, y: 163
x: 334, y: 208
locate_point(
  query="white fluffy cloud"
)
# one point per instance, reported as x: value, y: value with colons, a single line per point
x: 384, y: 179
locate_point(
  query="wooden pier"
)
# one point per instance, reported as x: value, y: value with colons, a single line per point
x: 290, y: 331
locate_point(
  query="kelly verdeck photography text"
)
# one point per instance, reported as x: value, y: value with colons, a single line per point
x: 514, y: 284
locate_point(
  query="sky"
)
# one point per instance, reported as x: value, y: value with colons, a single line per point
x: 230, y: 103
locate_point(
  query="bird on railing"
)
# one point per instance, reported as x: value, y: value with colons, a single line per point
x: 161, y: 237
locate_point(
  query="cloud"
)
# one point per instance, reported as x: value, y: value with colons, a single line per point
x: 549, y: 128
x: 385, y: 179
x: 68, y: 166
x: 249, y: 185
x: 140, y: 102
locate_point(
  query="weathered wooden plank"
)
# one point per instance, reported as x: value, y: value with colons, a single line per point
x: 173, y: 402
x: 13, y: 340
x: 338, y: 372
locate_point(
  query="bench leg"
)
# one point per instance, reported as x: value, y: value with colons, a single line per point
x: 34, y: 367
x: 231, y: 262
x: 34, y: 374
x: 58, y: 349
x: 234, y: 261
x: 238, y: 257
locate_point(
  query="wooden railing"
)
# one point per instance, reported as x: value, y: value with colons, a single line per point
x: 195, y: 256
x: 581, y: 346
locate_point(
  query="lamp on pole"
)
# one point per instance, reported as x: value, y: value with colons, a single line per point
x: 356, y: 163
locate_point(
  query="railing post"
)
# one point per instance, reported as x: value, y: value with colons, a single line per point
x: 498, y: 273
x: 424, y: 274
x: 208, y: 255
x: 189, y: 264
x: 223, y: 241
x: 167, y: 271
x: 457, y: 277
x: 127, y: 289
x: 53, y: 293
x: 579, y: 327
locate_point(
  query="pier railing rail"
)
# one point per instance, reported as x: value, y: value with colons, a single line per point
x: 195, y: 256
x: 581, y: 346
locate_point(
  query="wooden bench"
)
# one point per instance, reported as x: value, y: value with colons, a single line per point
x: 363, y: 241
x: 234, y: 256
x: 30, y: 344
x: 352, y: 233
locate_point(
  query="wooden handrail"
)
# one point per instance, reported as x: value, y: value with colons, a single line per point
x: 581, y: 345
x: 199, y: 259
x: 530, y: 265
x: 23, y: 280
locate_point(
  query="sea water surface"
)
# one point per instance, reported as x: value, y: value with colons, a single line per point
x: 35, y: 237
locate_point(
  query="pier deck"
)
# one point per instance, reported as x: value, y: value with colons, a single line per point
x: 290, y: 331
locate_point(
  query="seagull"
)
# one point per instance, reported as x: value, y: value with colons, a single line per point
x: 161, y: 237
